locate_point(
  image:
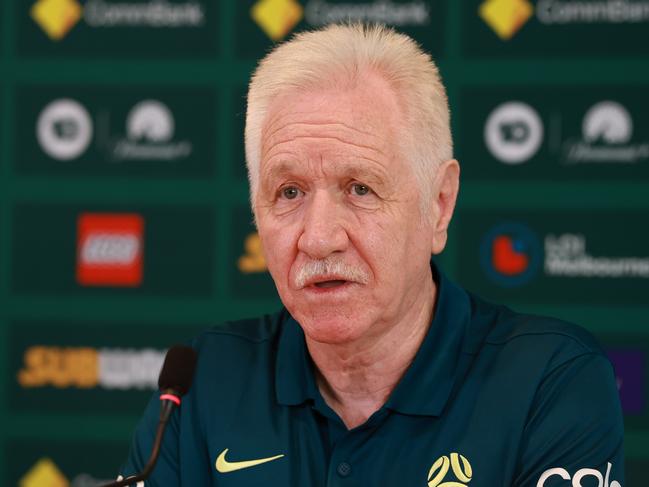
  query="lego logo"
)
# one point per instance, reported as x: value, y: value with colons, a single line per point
x: 458, y: 464
x: 110, y: 249
x: 107, y: 249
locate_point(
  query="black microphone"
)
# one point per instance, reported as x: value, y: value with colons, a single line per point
x: 174, y: 381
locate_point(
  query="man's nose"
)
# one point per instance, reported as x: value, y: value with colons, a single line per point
x: 323, y: 233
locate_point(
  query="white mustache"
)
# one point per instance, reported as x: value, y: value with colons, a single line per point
x: 329, y: 267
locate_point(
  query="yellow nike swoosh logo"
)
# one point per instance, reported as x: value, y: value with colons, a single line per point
x: 223, y: 466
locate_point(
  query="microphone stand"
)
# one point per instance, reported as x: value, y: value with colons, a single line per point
x: 166, y: 409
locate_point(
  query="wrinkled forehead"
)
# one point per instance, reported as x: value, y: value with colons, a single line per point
x: 364, y: 117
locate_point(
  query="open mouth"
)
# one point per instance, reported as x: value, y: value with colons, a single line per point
x: 328, y: 284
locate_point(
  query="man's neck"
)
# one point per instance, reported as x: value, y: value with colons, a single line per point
x: 356, y: 379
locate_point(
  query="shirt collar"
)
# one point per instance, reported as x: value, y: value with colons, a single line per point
x: 428, y: 382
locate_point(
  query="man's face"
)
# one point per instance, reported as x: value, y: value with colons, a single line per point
x: 338, y: 212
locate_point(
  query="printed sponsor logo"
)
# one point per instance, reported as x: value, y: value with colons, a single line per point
x: 580, y: 476
x: 64, y: 129
x: 513, y: 132
x: 252, y: 260
x: 45, y: 473
x: 607, y: 129
x: 563, y: 12
x: 90, y: 368
x: 109, y: 249
x: 150, y: 129
x: 511, y: 254
x: 277, y: 18
x: 630, y: 369
x: 402, y: 14
x: 58, y: 17
x: 462, y: 473
x: 507, y: 17
x: 566, y: 255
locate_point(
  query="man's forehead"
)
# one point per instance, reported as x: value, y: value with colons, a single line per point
x: 366, y: 105
x: 314, y: 110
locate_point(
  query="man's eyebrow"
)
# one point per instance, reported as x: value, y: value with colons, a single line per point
x: 279, y: 169
x: 364, y: 169
x: 369, y: 171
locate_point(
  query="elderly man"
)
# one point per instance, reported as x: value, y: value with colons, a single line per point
x: 379, y: 371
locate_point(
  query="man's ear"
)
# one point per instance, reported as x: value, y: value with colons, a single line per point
x: 446, y: 187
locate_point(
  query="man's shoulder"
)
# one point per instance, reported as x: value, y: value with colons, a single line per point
x: 534, y: 336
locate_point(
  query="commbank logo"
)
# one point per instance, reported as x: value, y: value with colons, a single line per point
x: 109, y: 249
x: 56, y: 17
x: 458, y: 464
x: 277, y: 17
x: 506, y: 17
x: 510, y: 254
x: 44, y: 472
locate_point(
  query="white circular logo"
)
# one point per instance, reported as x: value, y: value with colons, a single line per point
x: 608, y: 122
x: 150, y: 120
x: 513, y: 132
x: 64, y: 129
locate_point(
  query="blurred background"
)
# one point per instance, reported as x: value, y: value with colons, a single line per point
x: 124, y: 217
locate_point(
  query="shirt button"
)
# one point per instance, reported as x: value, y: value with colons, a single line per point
x: 344, y: 469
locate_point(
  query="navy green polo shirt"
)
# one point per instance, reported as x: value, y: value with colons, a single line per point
x: 493, y: 398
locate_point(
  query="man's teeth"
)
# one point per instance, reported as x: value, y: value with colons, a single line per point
x: 329, y: 283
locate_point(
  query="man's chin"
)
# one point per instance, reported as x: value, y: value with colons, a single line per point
x: 338, y: 330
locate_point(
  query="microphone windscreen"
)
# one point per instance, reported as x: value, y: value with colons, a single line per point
x: 178, y: 369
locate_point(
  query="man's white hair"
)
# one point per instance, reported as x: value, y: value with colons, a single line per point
x: 342, y: 55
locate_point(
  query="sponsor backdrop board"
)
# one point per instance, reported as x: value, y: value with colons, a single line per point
x: 44, y: 462
x: 555, y: 133
x: 125, y: 29
x: 85, y: 366
x: 124, y: 219
x: 555, y: 28
x: 116, y: 131
x: 572, y: 257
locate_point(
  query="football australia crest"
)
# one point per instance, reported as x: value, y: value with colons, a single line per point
x: 455, y: 471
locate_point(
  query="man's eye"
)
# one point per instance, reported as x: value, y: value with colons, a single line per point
x: 290, y: 192
x: 360, y: 189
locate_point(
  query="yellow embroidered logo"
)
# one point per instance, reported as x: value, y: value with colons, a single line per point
x: 458, y: 464
x: 506, y: 17
x: 56, y: 17
x: 277, y: 17
x: 44, y: 472
x: 225, y: 466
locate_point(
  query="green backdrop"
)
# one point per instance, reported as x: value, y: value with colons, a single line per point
x: 124, y: 219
